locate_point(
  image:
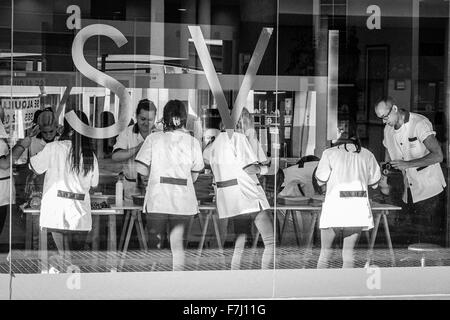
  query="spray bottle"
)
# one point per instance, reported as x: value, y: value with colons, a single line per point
x: 119, y: 190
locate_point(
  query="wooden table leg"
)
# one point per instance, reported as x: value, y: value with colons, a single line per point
x: 286, y: 214
x: 188, y: 231
x: 112, y: 241
x: 388, y: 237
x: 296, y: 226
x: 28, y: 231
x: 140, y: 231
x: 126, y: 220
x: 43, y: 252
x: 218, y: 237
x: 202, y: 239
x: 373, y: 238
x: 127, y: 240
x: 95, y: 233
x: 309, y: 239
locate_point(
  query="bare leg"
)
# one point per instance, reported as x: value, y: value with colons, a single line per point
x: 263, y: 222
x: 351, y: 237
x: 326, y: 238
x: 177, y: 231
x: 238, y: 251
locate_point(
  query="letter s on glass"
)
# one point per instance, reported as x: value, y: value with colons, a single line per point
x: 125, y: 111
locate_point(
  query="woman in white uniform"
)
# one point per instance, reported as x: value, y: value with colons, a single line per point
x: 130, y: 141
x: 171, y: 159
x: 239, y: 194
x: 71, y: 169
x: 5, y: 175
x: 347, y: 169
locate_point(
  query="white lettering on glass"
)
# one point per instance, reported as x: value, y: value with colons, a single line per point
x: 374, y: 21
x: 125, y: 110
x: 74, y: 20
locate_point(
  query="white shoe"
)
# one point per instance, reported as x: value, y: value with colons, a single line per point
x: 53, y: 270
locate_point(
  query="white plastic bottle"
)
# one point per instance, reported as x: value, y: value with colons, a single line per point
x: 119, y: 191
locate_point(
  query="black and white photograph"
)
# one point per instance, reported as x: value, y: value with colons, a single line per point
x: 245, y: 151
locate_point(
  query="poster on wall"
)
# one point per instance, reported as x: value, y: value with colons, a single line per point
x: 19, y: 113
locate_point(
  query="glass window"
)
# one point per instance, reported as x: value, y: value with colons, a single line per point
x: 259, y: 135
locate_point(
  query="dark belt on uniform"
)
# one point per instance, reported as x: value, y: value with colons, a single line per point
x: 226, y: 183
x: 4, y: 178
x: 177, y: 181
x: 70, y: 195
x: 131, y: 180
x: 351, y: 194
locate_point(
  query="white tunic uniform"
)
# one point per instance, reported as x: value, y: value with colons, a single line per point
x: 236, y: 191
x: 127, y: 139
x: 294, y: 176
x: 61, y: 212
x: 343, y: 172
x: 5, y: 178
x: 172, y: 156
x: 406, y: 143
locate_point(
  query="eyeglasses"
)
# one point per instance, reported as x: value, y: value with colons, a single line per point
x: 385, y: 117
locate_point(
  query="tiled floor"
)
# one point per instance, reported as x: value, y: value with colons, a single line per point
x: 288, y: 257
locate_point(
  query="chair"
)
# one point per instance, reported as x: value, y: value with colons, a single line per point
x: 424, y: 249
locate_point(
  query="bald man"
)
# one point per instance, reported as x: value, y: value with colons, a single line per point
x: 412, y: 147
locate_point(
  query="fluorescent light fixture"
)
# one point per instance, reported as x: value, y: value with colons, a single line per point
x: 259, y: 92
x: 212, y: 42
x: 139, y: 57
x: 279, y: 92
x: 18, y: 54
x: 182, y: 9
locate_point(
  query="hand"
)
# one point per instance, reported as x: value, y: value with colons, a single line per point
x: 253, y: 169
x: 384, y: 186
x: 400, y: 164
x: 25, y: 142
x: 33, y: 131
x: 60, y: 129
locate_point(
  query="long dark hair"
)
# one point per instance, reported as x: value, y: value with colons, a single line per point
x: 82, y: 147
x: 349, y: 136
x: 174, y: 115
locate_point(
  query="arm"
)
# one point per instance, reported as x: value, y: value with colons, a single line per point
x: 142, y: 169
x: 125, y: 154
x: 16, y: 152
x: 253, y: 169
x: 194, y: 176
x: 435, y: 156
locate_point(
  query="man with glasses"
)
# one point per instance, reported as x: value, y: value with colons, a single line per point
x: 412, y: 147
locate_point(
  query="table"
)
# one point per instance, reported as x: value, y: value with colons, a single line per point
x: 380, y: 211
x: 112, y: 238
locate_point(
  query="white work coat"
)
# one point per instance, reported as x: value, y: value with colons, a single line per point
x: 294, y: 176
x: 347, y: 171
x: 60, y: 212
x: 171, y: 157
x: 127, y: 139
x: 237, y: 192
x: 406, y: 143
x: 5, y: 178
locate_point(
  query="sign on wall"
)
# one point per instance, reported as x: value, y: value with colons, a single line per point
x: 19, y: 107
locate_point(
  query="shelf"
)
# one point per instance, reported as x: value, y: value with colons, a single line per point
x: 264, y: 115
x: 267, y: 125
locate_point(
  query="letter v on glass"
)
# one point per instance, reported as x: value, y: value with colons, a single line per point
x: 228, y: 120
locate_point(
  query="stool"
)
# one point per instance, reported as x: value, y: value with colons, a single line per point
x: 424, y: 248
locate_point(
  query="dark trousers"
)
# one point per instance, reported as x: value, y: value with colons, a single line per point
x: 423, y: 221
